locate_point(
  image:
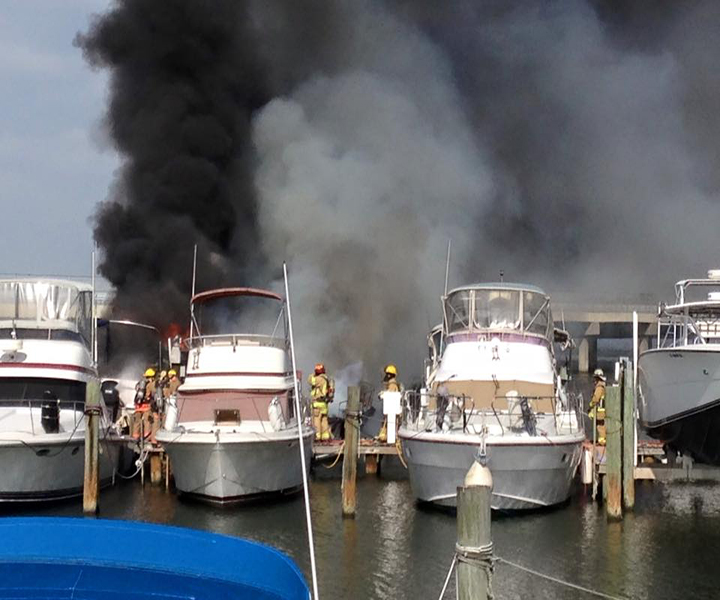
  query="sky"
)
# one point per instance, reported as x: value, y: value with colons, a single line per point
x: 55, y: 161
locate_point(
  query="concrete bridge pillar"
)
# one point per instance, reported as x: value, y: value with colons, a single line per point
x: 587, y: 354
x: 644, y: 343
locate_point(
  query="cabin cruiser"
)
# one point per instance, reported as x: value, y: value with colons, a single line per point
x: 235, y: 433
x: 679, y: 381
x: 492, y: 392
x: 45, y: 366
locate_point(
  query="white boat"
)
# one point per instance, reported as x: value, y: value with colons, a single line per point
x: 679, y: 381
x: 235, y: 434
x: 45, y: 366
x: 492, y: 391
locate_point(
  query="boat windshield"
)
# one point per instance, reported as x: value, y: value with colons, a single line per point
x: 536, y: 313
x: 241, y: 315
x: 48, y: 306
x: 498, y: 309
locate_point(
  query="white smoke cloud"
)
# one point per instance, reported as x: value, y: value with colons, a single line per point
x: 364, y: 175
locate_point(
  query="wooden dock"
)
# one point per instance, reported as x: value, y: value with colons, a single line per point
x: 332, y: 448
x: 371, y: 451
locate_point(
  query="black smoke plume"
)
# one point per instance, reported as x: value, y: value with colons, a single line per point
x: 572, y: 144
x: 182, y: 90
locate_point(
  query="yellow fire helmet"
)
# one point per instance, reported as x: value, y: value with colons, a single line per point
x: 391, y: 370
x: 150, y: 373
x: 172, y: 373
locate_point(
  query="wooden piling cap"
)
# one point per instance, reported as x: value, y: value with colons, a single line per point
x: 479, y: 476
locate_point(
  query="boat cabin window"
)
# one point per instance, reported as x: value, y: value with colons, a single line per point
x: 244, y: 315
x: 497, y: 309
x: 22, y: 389
x: 536, y: 313
x: 458, y: 311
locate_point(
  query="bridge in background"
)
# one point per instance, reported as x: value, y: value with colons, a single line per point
x: 589, y: 320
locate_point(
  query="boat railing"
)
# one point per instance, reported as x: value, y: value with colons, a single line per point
x: 237, y: 339
x: 36, y: 406
x: 459, y: 413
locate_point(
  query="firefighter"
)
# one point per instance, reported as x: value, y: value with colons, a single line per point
x: 144, y: 395
x: 390, y: 384
x: 173, y: 383
x: 597, y: 405
x: 321, y: 395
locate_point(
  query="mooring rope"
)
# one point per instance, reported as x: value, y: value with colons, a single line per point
x: 337, y: 458
x: 483, y: 557
x: 559, y: 581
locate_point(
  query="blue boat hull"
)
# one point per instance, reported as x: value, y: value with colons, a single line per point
x: 54, y: 559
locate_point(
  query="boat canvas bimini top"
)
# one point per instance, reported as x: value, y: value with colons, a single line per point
x: 82, y: 559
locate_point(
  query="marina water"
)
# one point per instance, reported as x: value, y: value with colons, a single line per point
x: 667, y: 548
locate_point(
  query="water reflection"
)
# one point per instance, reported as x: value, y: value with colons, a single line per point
x: 393, y: 549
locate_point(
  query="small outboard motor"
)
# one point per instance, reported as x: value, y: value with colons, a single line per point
x: 111, y: 397
x: 528, y: 417
x: 50, y: 413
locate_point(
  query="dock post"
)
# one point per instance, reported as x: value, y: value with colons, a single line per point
x: 371, y: 464
x: 91, y: 483
x: 156, y: 468
x: 474, y: 538
x: 628, y: 438
x: 613, y: 453
x: 167, y: 472
x: 350, y: 452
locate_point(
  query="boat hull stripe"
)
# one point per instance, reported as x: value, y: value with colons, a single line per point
x: 238, y: 374
x: 59, y: 367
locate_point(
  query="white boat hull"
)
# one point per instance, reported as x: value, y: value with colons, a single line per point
x: 49, y: 469
x: 679, y: 398
x: 235, y: 466
x: 525, y: 475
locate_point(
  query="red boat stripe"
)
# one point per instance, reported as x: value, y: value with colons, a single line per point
x: 238, y: 374
x: 25, y: 365
x: 182, y: 393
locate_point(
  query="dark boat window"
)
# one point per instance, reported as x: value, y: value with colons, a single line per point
x: 241, y: 315
x: 34, y: 388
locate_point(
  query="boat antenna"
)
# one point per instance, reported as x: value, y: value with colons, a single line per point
x: 447, y: 267
x: 192, y: 295
x: 301, y: 445
x: 502, y: 275
x: 93, y: 313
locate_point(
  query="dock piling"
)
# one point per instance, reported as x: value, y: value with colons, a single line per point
x: 350, y: 452
x: 628, y: 436
x: 91, y: 484
x: 613, y: 450
x: 474, y: 538
x: 156, y: 469
x: 371, y: 464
